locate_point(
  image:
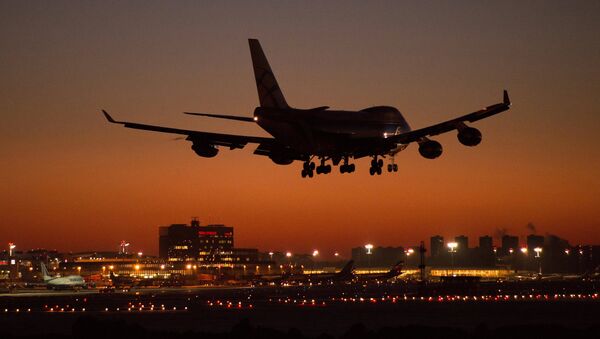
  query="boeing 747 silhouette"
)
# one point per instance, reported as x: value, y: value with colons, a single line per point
x: 323, y: 134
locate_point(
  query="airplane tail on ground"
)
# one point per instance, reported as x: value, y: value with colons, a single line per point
x: 396, y: 270
x: 45, y: 274
x: 347, y: 270
x: 269, y: 93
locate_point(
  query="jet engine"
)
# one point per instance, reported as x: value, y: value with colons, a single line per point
x: 469, y: 136
x: 281, y: 159
x: 205, y: 150
x: 430, y: 149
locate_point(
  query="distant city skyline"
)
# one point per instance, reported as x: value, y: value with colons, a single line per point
x: 72, y: 181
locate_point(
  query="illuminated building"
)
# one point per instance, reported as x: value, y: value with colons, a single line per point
x: 179, y: 242
x: 215, y: 243
x: 210, y: 245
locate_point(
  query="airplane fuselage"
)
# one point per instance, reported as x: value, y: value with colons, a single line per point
x: 331, y: 132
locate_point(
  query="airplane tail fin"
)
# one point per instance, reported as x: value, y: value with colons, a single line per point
x: 45, y: 274
x: 269, y: 93
x: 396, y: 269
x: 348, y: 268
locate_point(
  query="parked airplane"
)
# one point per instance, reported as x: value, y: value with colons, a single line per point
x: 343, y: 276
x: 395, y: 271
x: 70, y: 281
x: 121, y: 281
x: 324, y: 134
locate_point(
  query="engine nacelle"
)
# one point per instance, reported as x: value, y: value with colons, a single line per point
x: 469, y: 136
x: 281, y: 159
x: 205, y: 150
x: 430, y: 149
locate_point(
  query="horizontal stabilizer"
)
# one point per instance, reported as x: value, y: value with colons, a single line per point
x: 220, y: 116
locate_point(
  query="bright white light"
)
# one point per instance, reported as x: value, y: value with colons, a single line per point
x: 288, y: 254
x: 538, y: 251
x: 452, y: 246
x: 315, y: 253
x: 369, y: 247
x: 524, y: 250
x: 410, y: 251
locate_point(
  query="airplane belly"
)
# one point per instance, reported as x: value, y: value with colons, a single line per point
x: 356, y: 129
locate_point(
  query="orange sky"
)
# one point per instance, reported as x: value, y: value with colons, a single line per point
x: 73, y: 182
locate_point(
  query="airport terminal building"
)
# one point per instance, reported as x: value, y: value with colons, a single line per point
x: 208, y: 245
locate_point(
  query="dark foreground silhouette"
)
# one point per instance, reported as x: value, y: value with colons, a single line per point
x: 93, y: 327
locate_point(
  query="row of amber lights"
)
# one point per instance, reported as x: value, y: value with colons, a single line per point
x: 395, y: 299
x: 312, y: 302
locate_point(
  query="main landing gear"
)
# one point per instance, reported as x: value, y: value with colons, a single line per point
x: 376, y: 166
x: 308, y: 169
x: 347, y: 168
x: 322, y: 168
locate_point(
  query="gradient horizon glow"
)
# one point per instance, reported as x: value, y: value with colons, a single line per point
x: 73, y: 182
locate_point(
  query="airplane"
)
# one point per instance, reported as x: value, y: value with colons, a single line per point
x: 272, y: 279
x: 346, y: 274
x: 322, y: 133
x: 70, y: 281
x: 122, y: 281
x: 395, y: 271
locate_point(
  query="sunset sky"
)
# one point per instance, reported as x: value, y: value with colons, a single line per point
x: 71, y: 181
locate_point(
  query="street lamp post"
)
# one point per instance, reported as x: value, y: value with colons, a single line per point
x: 369, y: 248
x: 289, y: 256
x: 452, y: 249
x: 538, y: 254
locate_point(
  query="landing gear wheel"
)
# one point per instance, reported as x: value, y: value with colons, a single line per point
x: 371, y: 170
x: 380, y: 163
x: 351, y: 167
x: 390, y: 167
x: 378, y: 170
x: 303, y: 173
x: 395, y: 167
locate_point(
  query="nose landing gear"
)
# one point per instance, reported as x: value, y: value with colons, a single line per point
x: 392, y: 167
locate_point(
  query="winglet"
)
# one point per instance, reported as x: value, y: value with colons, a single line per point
x: 506, y: 99
x: 109, y: 118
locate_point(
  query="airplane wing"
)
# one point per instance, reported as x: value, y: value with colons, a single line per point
x: 228, y: 140
x: 453, y: 124
x: 221, y: 116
